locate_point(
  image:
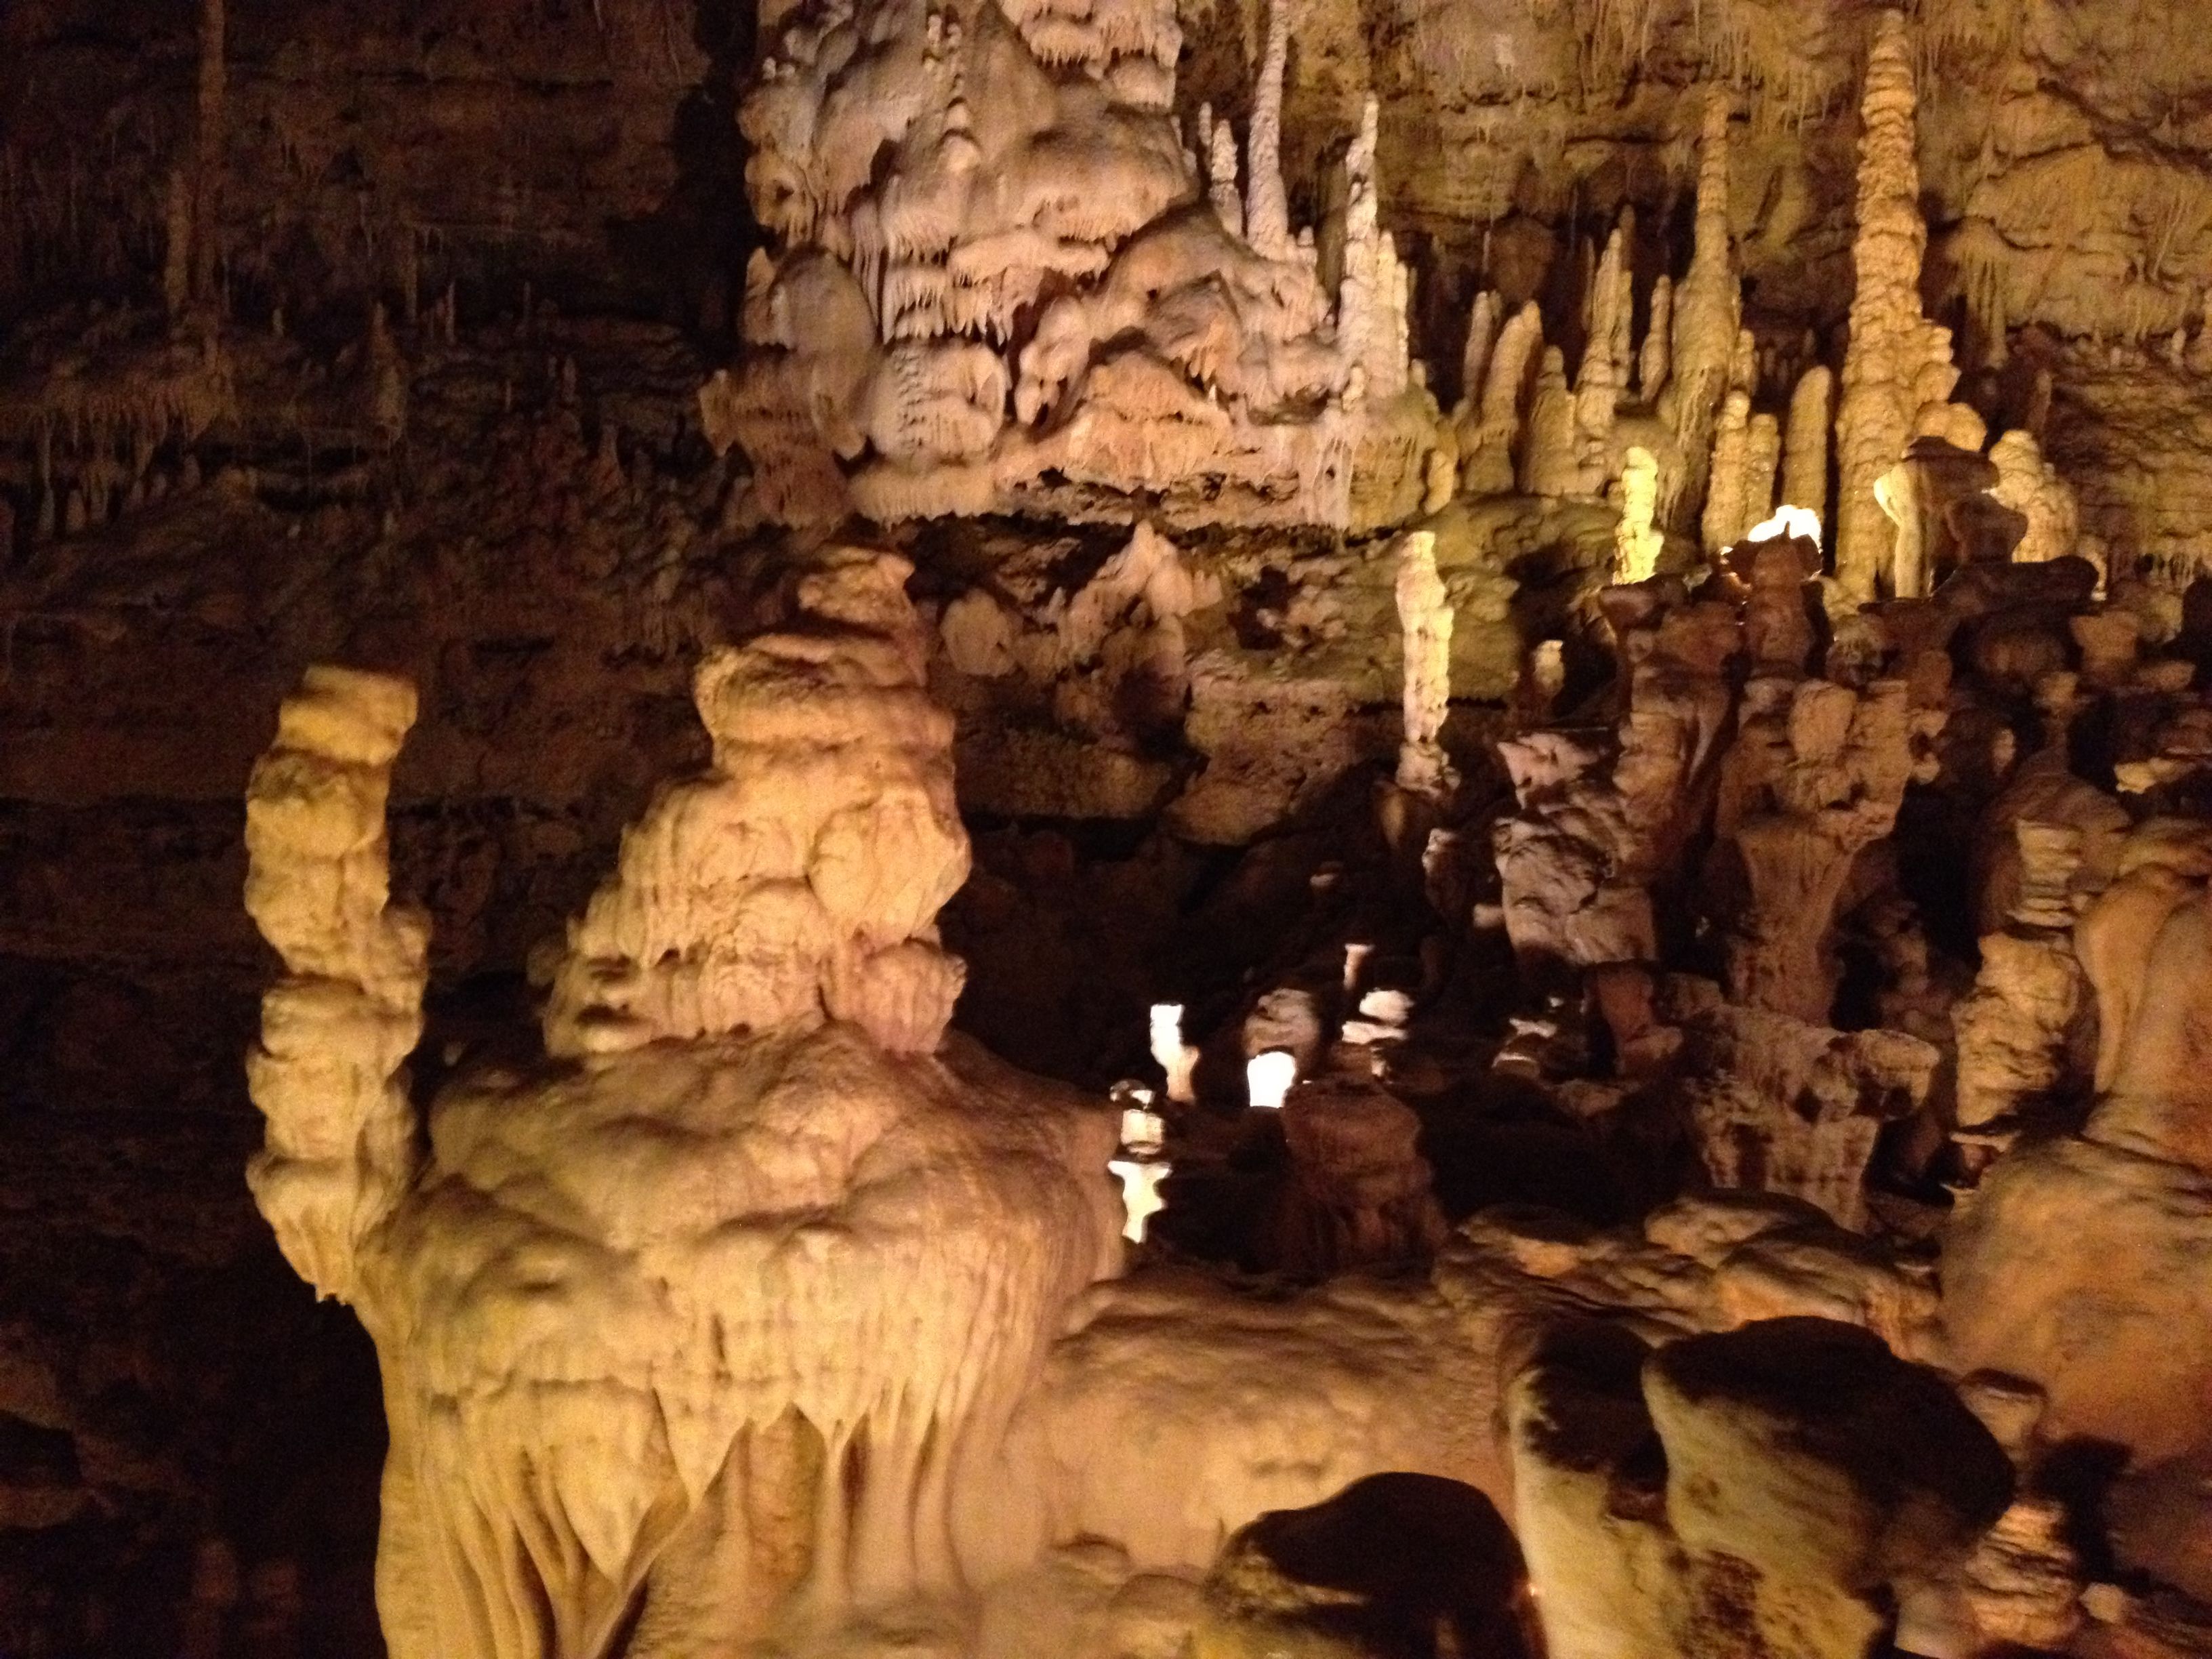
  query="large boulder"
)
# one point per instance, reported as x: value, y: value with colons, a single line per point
x: 1759, y: 1492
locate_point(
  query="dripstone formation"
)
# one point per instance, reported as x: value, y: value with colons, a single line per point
x: 1106, y: 831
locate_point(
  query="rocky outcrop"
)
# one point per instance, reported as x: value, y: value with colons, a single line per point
x: 2078, y: 1265
x: 1760, y: 1487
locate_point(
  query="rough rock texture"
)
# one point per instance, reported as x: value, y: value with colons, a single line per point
x: 1403, y: 1565
x: 567, y: 1456
x: 1757, y: 1488
x: 2112, y: 1325
x: 799, y: 880
x: 927, y: 180
x: 1783, y: 899
x: 1363, y: 1194
x: 1898, y: 367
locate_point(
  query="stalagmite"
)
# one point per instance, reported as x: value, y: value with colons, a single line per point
x: 1221, y: 180
x: 1486, y: 466
x: 1372, y: 300
x: 1551, y: 464
x: 1823, y: 781
x: 329, y: 1073
x: 1267, y: 209
x: 1637, y: 544
x: 2030, y: 486
x: 1899, y: 364
x: 1727, y: 494
x: 1762, y: 454
x: 1482, y: 325
x: 1805, y: 445
x: 1603, y: 378
x: 1652, y: 365
x: 1424, y: 620
x: 1361, y: 1196
x: 1707, y: 308
x: 1744, y: 363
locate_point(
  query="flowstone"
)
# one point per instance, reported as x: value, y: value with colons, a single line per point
x: 998, y: 282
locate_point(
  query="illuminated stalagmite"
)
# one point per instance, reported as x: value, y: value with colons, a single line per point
x: 1424, y: 620
x: 1637, y: 544
x: 1707, y: 313
x: 1898, y: 372
x: 713, y: 1318
x: 2030, y: 486
x: 1804, y: 478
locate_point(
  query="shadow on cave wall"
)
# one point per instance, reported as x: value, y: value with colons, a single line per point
x: 693, y: 248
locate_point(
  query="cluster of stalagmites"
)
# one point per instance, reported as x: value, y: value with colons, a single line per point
x: 760, y: 1305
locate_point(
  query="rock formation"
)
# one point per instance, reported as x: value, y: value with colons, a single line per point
x: 1898, y: 374
x: 1680, y: 1128
x: 1758, y: 1488
x: 1424, y: 617
x: 933, y: 194
x: 603, y: 1413
x: 2112, y: 1325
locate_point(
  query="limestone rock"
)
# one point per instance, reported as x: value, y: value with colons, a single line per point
x: 1361, y: 1193
x: 582, y: 1281
x: 798, y: 881
x: 1396, y: 1566
x: 1756, y: 1488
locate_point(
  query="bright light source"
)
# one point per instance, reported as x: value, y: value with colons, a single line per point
x: 1268, y: 1076
x: 1797, y: 522
x: 1175, y: 1058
